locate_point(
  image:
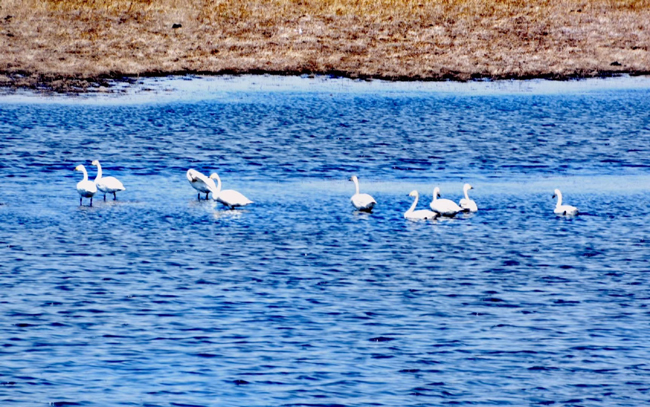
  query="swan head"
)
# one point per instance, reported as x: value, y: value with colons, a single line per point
x: 79, y: 168
x: 214, y: 176
x: 557, y: 193
x: 95, y: 163
x: 413, y: 194
x: 354, y: 178
x: 467, y: 187
x: 436, y: 192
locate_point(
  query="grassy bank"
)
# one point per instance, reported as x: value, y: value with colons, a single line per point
x: 75, y: 44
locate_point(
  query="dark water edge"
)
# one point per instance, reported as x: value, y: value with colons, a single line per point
x: 158, y: 299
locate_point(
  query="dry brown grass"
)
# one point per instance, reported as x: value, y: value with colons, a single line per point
x: 66, y: 42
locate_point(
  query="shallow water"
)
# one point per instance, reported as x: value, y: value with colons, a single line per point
x: 160, y: 299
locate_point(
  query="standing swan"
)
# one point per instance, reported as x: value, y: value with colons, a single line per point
x: 563, y: 209
x: 201, y: 183
x: 422, y: 214
x: 466, y: 203
x: 444, y: 207
x: 228, y: 197
x: 363, y: 202
x: 108, y: 185
x: 85, y: 188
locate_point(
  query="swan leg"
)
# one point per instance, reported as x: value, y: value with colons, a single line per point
x: 104, y: 197
x: 114, y: 196
x: 91, y: 201
x: 206, y: 196
x: 199, y: 196
x: 81, y: 201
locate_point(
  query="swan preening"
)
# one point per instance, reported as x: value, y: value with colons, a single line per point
x: 86, y: 189
x: 422, y: 214
x: 444, y: 207
x: 466, y: 203
x: 563, y: 209
x: 108, y: 185
x: 363, y: 202
x: 201, y: 183
x: 228, y: 197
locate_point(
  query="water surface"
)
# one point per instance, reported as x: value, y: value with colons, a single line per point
x: 159, y: 299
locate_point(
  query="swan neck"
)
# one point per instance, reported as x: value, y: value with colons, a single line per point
x: 356, y: 185
x: 466, y: 195
x: 559, y: 199
x: 415, y: 203
x: 99, y: 172
x: 85, y: 173
x: 218, y: 191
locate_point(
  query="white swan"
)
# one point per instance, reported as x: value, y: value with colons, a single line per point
x: 444, y: 207
x: 228, y: 197
x: 363, y: 202
x: 201, y: 183
x: 422, y: 214
x: 466, y: 203
x: 563, y: 209
x: 108, y: 185
x: 86, y: 189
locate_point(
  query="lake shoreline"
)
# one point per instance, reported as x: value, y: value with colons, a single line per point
x: 63, y: 84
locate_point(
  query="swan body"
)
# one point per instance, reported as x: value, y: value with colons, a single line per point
x: 228, y: 197
x: 563, y: 209
x: 444, y: 207
x: 108, y: 185
x: 85, y: 188
x: 201, y: 183
x: 422, y: 214
x: 466, y: 203
x: 363, y: 202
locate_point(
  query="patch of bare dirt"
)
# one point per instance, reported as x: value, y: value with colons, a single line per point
x: 81, y: 45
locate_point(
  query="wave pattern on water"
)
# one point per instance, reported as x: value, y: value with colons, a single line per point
x: 159, y: 299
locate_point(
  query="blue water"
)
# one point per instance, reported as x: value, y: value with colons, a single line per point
x: 158, y: 299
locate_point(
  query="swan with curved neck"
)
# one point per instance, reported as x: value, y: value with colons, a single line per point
x: 444, y: 207
x: 85, y: 188
x: 201, y: 183
x: 563, y: 209
x: 108, y: 185
x: 228, y: 197
x: 466, y: 203
x: 363, y: 202
x: 421, y: 214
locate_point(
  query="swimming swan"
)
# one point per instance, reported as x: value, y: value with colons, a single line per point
x: 363, y: 202
x: 444, y: 207
x: 201, y: 183
x: 228, y: 197
x: 108, y: 185
x: 563, y: 209
x: 466, y: 203
x: 422, y: 214
x: 87, y: 189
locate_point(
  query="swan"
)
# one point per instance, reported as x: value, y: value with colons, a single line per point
x: 422, y: 214
x: 444, y: 207
x: 201, y: 183
x: 87, y: 189
x: 563, y: 209
x: 228, y: 197
x: 466, y: 203
x: 108, y: 185
x: 363, y: 202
